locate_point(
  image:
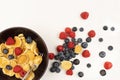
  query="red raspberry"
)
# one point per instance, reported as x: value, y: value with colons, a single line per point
x: 51, y: 55
x: 84, y: 15
x: 10, y: 41
x: 91, y: 33
x: 72, y: 34
x: 22, y: 73
x: 69, y: 72
x: 71, y: 45
x: 107, y: 65
x: 68, y: 30
x: 60, y: 48
x: 62, y: 35
x: 86, y: 54
x: 17, y: 69
x: 18, y: 51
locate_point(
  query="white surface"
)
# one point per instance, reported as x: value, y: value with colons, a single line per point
x: 49, y: 17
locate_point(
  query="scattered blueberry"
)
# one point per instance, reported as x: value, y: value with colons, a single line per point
x: 80, y: 74
x: 10, y: 57
x: 66, y: 40
x: 76, y: 61
x: 112, y: 28
x: 52, y: 69
x: 100, y: 39
x: 88, y: 39
x: 58, y: 70
x: 81, y: 29
x: 74, y: 29
x: 5, y: 51
x: 8, y: 67
x: 88, y: 65
x: 105, y: 28
x: 102, y: 72
x: 56, y: 57
x: 79, y: 40
x: 102, y: 54
x: 73, y: 39
x: 56, y: 64
x: 110, y: 48
x: 84, y: 45
x: 72, y: 67
x: 29, y: 39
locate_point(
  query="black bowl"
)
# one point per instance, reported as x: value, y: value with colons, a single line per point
x: 40, y: 44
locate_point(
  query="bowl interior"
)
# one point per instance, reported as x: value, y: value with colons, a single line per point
x: 40, y: 44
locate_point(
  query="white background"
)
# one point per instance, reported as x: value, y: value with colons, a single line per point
x: 49, y: 17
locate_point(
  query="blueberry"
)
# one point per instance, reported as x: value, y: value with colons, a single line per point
x: 56, y: 64
x: 76, y: 61
x: 66, y: 40
x: 112, y: 28
x: 79, y: 40
x: 58, y: 70
x: 102, y: 54
x: 56, y: 57
x: 88, y: 39
x: 67, y: 54
x: 81, y: 29
x: 110, y: 48
x: 8, y: 67
x: 84, y: 45
x: 5, y: 51
x: 10, y: 57
x: 100, y: 39
x: 105, y: 28
x: 65, y: 45
x: 52, y: 69
x: 88, y: 65
x: 29, y: 39
x: 72, y: 67
x: 74, y: 29
x: 73, y: 39
x: 72, y: 55
x: 80, y: 74
x: 60, y: 53
x: 102, y: 72
x: 61, y: 58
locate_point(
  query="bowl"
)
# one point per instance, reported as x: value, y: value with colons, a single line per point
x: 14, y: 31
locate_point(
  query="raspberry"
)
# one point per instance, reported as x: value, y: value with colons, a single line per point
x: 17, y: 69
x: 10, y: 41
x: 69, y: 72
x: 72, y: 34
x: 86, y: 54
x: 59, y: 48
x: 84, y: 15
x: 107, y: 65
x: 18, y: 51
x: 22, y: 73
x: 91, y: 33
x: 62, y: 35
x: 71, y: 45
x: 68, y: 30
x: 51, y: 56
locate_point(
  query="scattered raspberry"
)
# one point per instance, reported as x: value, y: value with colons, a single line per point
x: 84, y: 15
x: 18, y: 51
x: 62, y: 35
x: 51, y: 55
x: 68, y: 30
x: 86, y: 54
x: 108, y: 65
x: 59, y: 48
x: 10, y: 41
x: 17, y: 69
x: 72, y: 34
x: 69, y: 72
x: 71, y: 45
x: 91, y: 33
x: 22, y: 73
